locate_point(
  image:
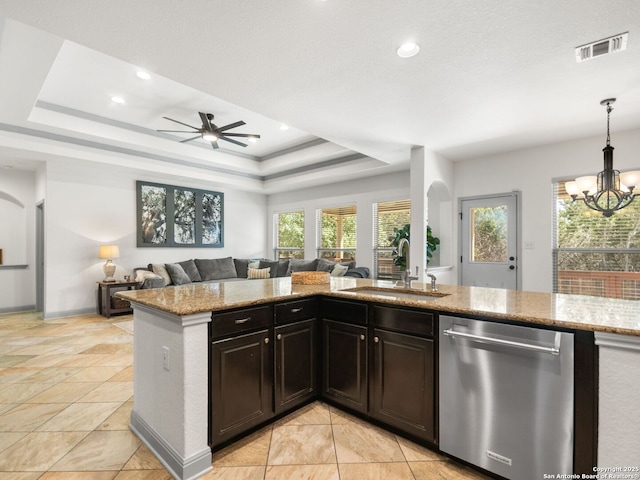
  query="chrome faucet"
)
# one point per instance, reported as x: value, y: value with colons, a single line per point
x: 433, y: 282
x: 406, y: 275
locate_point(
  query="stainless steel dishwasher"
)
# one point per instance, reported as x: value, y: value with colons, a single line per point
x: 506, y: 397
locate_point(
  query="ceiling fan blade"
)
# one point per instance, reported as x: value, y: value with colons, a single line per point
x: 241, y: 135
x: 206, y: 124
x: 176, y: 131
x: 232, y: 141
x: 182, y: 123
x: 231, y: 125
x: 189, y: 139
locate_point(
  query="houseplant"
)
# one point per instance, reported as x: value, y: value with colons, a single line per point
x: 399, y: 259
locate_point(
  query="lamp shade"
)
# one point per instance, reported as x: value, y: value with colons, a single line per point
x: 109, y: 251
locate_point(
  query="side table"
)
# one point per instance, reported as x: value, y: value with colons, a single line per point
x: 107, y: 304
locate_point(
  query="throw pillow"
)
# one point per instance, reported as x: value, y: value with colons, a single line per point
x: 160, y: 269
x: 142, y: 275
x: 339, y: 270
x: 189, y: 266
x: 177, y: 273
x: 272, y: 265
x: 216, y: 268
x: 259, y: 273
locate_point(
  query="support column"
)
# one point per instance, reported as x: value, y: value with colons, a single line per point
x: 418, y: 188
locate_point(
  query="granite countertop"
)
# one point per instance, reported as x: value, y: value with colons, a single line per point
x: 570, y: 311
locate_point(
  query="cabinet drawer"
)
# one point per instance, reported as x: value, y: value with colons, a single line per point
x: 344, y: 311
x: 401, y: 320
x: 293, y: 311
x: 230, y: 323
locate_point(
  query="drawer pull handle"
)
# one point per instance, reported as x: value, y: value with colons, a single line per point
x: 240, y: 321
x: 376, y: 339
x: 296, y: 310
x: 361, y: 337
x: 279, y: 337
x: 266, y: 340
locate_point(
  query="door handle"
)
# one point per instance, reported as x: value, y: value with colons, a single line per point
x: 555, y: 350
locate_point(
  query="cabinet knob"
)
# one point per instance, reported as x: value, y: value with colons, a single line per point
x: 361, y: 337
x: 266, y: 340
x: 376, y: 339
x: 279, y: 337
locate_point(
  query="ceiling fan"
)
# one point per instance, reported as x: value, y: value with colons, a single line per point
x: 211, y: 132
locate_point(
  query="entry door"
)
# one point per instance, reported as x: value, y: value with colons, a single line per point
x: 489, y: 230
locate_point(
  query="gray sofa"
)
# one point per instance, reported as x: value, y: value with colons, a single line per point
x: 228, y: 269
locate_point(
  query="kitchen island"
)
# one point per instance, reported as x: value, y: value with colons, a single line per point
x: 171, y: 352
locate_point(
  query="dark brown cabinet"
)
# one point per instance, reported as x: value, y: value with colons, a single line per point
x: 241, y: 372
x: 295, y: 353
x: 344, y: 354
x: 295, y: 364
x: 403, y: 379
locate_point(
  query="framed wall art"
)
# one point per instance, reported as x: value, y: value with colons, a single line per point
x: 172, y: 216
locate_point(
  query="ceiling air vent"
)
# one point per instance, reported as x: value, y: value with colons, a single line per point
x: 613, y: 44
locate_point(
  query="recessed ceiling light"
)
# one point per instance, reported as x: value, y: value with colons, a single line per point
x: 408, y: 49
x: 116, y: 99
x: 284, y: 127
x: 143, y: 75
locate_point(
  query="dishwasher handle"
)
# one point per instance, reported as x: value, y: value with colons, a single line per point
x: 555, y: 350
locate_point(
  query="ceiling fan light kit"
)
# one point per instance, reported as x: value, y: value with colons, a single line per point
x: 211, y: 132
x: 610, y: 190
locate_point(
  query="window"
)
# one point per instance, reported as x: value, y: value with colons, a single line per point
x: 289, y: 235
x: 386, y: 217
x: 337, y: 233
x: 592, y: 254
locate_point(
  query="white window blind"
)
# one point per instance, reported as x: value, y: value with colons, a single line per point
x: 592, y: 254
x: 386, y: 217
x: 336, y: 229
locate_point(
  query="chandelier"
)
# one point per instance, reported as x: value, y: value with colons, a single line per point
x: 610, y: 190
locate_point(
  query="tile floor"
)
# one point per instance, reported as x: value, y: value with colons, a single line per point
x: 66, y: 393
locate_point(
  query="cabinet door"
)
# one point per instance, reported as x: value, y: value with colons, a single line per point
x: 403, y: 392
x: 295, y: 364
x: 345, y: 364
x: 241, y: 384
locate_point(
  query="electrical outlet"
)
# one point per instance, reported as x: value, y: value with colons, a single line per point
x: 165, y: 358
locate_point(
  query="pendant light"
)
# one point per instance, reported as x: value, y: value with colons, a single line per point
x: 610, y: 190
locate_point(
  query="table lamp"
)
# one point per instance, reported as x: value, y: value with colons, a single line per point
x: 109, y: 252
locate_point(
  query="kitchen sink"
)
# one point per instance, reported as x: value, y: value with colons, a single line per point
x: 397, y: 292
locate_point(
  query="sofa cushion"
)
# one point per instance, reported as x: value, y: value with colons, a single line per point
x: 189, y: 266
x: 301, y: 265
x: 242, y: 264
x: 160, y: 269
x: 177, y: 273
x: 325, y: 265
x: 283, y: 268
x: 259, y: 273
x: 216, y: 268
x: 272, y: 265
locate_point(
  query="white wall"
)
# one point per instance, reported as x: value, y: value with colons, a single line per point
x: 17, y: 234
x: 89, y: 204
x: 361, y: 193
x: 532, y: 171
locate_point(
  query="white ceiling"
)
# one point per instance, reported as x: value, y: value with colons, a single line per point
x: 491, y: 77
